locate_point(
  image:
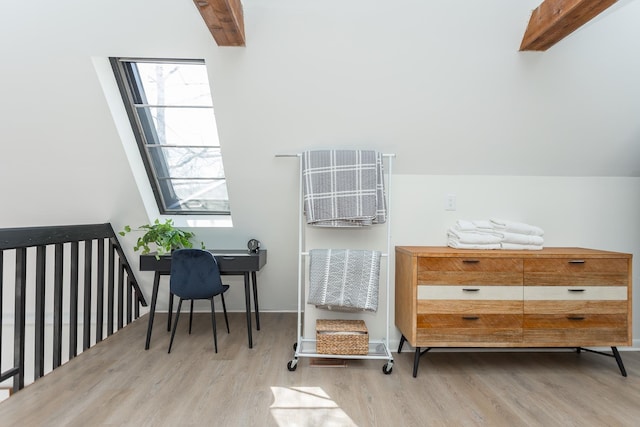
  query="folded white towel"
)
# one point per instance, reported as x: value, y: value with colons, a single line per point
x: 516, y: 227
x: 466, y: 225
x: 458, y: 245
x: 517, y: 247
x: 522, y: 239
x: 474, y: 237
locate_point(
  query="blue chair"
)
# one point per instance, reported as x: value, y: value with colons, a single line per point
x: 195, y: 275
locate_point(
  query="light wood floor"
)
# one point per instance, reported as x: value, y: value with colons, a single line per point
x: 119, y: 383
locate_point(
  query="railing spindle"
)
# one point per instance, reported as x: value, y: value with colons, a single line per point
x: 111, y: 287
x: 100, y: 292
x: 120, y: 295
x: 86, y: 327
x: 41, y: 257
x: 19, y: 324
x: 73, y: 303
x: 57, y: 305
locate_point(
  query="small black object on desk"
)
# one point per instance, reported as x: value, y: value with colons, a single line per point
x: 231, y: 262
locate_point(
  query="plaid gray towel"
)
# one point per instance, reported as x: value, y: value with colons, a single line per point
x: 343, y: 188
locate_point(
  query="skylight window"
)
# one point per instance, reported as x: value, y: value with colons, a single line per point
x: 170, y: 108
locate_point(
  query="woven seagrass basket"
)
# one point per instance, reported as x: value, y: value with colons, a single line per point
x: 342, y: 337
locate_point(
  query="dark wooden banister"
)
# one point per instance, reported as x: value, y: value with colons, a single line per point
x: 24, y: 241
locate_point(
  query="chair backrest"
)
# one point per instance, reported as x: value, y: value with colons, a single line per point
x: 194, y: 274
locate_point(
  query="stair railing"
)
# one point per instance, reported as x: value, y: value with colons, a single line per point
x: 73, y: 275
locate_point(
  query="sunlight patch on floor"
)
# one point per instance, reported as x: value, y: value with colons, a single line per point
x: 306, y: 406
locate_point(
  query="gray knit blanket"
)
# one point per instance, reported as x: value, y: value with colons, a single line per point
x: 343, y: 188
x: 344, y: 279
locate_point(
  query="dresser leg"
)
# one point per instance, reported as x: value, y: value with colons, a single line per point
x: 416, y: 361
x: 402, y: 340
x: 616, y: 354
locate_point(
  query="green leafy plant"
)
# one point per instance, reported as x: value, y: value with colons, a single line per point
x: 165, y: 236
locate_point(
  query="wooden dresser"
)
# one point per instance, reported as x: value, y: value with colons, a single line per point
x: 555, y: 297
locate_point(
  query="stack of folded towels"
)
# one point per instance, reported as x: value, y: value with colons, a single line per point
x: 494, y: 234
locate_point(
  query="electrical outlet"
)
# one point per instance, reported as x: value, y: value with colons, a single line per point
x: 450, y: 202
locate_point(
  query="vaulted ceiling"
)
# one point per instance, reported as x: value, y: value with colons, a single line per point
x: 550, y: 22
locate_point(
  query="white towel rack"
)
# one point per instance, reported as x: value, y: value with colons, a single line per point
x: 306, y: 347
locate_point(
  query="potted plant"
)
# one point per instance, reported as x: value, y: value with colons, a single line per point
x: 165, y: 236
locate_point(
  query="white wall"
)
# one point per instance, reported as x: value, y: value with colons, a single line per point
x: 548, y: 138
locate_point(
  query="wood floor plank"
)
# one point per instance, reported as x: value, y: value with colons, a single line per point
x: 117, y: 382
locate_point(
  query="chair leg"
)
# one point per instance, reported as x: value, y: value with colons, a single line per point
x: 175, y: 325
x: 224, y: 307
x: 190, y: 317
x: 213, y: 323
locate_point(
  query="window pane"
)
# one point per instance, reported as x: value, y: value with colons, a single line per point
x: 201, y: 195
x: 175, y: 84
x: 187, y: 162
x: 181, y: 126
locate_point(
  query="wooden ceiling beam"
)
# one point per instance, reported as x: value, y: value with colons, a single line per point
x: 225, y: 20
x: 553, y: 20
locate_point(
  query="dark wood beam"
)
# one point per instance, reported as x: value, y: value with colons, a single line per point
x: 225, y: 20
x: 553, y: 20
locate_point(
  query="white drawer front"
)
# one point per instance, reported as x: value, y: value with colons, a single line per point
x: 575, y: 293
x: 470, y: 292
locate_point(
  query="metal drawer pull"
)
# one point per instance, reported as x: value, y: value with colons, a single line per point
x: 228, y: 257
x: 470, y: 317
x: 576, y: 261
x: 575, y: 317
x: 470, y: 289
x: 576, y: 290
x: 470, y: 261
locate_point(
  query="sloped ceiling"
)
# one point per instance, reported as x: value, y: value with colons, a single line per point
x: 447, y: 91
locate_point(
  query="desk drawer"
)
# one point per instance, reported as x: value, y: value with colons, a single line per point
x: 237, y: 263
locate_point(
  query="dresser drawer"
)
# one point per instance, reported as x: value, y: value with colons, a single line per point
x: 460, y: 322
x: 469, y: 292
x: 576, y: 329
x: 460, y: 329
x: 463, y: 271
x: 474, y: 321
x: 576, y: 272
x: 576, y: 322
